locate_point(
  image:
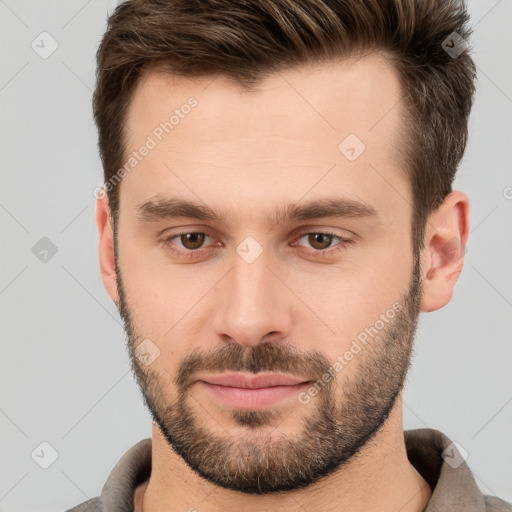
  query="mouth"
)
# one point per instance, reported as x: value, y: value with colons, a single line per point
x: 252, y: 392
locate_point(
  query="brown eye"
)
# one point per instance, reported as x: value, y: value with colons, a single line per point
x: 323, y: 243
x: 319, y: 241
x: 192, y: 240
x: 188, y: 244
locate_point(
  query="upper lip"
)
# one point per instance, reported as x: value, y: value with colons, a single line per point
x: 238, y: 380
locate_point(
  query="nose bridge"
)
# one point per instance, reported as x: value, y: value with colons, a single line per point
x: 252, y: 303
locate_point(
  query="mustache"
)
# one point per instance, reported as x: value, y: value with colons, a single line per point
x: 264, y: 357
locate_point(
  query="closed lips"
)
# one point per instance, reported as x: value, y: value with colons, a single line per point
x: 253, y: 381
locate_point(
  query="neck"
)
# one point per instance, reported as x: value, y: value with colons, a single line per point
x: 379, y: 479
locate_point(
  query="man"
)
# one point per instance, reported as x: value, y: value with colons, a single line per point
x: 278, y: 211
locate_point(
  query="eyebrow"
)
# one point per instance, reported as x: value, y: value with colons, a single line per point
x: 166, y: 208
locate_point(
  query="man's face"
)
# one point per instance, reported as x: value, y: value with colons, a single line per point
x: 266, y: 292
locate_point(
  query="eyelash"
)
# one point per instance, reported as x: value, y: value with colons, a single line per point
x: 190, y: 253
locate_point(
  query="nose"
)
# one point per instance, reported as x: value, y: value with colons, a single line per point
x: 253, y: 304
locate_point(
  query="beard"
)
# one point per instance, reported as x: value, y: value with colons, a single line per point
x: 261, y: 460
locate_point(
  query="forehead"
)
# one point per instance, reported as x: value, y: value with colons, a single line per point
x: 351, y: 93
x: 280, y: 136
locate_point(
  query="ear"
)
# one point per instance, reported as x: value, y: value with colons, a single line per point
x: 106, y: 247
x: 442, y: 257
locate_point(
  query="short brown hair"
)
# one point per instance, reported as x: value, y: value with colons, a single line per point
x: 249, y: 40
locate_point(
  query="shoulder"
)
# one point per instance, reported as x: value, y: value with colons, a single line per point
x: 92, y: 505
x: 442, y: 463
x: 494, y: 504
x: 133, y: 468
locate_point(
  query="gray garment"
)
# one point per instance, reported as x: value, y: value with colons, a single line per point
x: 454, y: 488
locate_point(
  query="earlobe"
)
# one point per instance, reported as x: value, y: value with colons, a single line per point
x: 106, y: 247
x: 446, y: 235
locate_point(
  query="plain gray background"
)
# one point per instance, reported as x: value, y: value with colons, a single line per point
x: 65, y: 377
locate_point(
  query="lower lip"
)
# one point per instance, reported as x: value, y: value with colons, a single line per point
x: 253, y: 399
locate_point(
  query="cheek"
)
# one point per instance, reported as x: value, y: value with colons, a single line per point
x: 351, y: 298
x: 158, y: 292
x: 166, y: 304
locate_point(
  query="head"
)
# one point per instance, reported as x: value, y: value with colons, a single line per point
x: 279, y: 199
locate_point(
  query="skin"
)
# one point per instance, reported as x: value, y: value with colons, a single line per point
x: 248, y: 154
